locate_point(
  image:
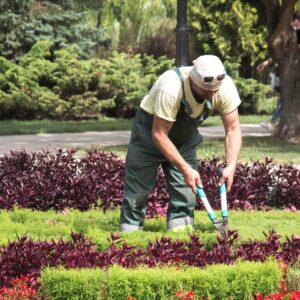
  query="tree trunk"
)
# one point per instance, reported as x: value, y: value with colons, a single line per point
x: 284, y: 50
x: 289, y: 124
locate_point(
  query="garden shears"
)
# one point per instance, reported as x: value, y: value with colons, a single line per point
x: 220, y: 225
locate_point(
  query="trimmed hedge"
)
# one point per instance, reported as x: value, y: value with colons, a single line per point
x: 73, y: 284
x: 241, y: 281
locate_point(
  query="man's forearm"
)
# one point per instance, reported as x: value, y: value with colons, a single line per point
x: 168, y: 149
x: 161, y: 140
x: 233, y: 144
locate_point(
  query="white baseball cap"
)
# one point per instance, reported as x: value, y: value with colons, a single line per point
x: 208, y: 72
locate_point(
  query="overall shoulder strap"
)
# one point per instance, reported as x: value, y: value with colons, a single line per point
x: 183, y: 100
x: 181, y: 79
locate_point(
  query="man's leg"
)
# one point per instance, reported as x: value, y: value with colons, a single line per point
x: 140, y: 175
x: 180, y: 214
x: 276, y: 113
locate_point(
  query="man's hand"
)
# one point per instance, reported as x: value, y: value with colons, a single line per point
x: 263, y: 65
x: 161, y: 140
x: 227, y: 176
x: 191, y: 179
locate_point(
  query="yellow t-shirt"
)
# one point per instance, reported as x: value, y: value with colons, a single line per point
x: 165, y: 96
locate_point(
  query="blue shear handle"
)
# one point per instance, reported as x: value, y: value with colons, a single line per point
x: 223, y: 188
x: 224, y: 213
x: 205, y: 202
x: 200, y: 192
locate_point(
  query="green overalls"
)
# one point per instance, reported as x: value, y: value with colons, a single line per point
x: 143, y: 160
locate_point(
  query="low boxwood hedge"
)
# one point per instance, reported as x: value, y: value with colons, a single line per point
x: 240, y: 281
x: 60, y: 283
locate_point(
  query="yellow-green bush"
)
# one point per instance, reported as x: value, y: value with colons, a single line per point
x: 81, y: 284
x: 241, y: 281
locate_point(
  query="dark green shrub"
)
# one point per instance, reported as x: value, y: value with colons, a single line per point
x: 126, y: 79
x: 26, y: 22
x: 255, y: 97
x: 58, y: 85
x: 47, y: 84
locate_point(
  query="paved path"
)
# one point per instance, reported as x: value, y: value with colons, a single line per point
x: 32, y: 143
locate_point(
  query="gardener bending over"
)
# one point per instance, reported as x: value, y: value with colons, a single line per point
x: 165, y: 134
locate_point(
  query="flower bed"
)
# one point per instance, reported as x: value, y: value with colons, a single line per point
x: 27, y: 257
x: 57, y: 181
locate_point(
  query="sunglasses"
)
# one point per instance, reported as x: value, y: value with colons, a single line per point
x: 209, y: 79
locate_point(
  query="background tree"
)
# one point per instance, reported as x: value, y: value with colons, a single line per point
x: 135, y: 26
x: 283, y: 48
x: 235, y: 30
x: 229, y: 29
x: 25, y: 22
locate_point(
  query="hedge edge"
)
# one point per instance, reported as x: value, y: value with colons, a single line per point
x: 241, y: 281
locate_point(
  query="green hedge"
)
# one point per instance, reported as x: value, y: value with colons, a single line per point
x: 241, y: 281
x: 62, y: 284
x: 59, y: 85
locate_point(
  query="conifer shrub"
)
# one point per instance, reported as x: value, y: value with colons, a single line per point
x: 58, y: 84
x: 23, y: 23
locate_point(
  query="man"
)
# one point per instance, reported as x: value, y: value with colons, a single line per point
x: 165, y: 134
x: 275, y: 84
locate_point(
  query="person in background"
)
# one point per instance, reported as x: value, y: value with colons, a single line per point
x: 275, y: 84
x: 165, y: 133
x: 274, y: 74
x: 296, y: 26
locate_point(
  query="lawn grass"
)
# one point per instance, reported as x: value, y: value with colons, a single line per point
x: 254, y: 148
x: 99, y: 226
x: 13, y: 127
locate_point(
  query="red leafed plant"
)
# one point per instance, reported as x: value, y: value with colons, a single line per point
x: 20, y: 290
x: 45, y: 180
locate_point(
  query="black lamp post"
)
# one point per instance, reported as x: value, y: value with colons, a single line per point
x: 182, y: 34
